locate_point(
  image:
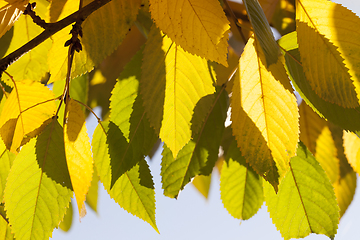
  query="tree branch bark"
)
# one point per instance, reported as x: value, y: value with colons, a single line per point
x: 51, y: 29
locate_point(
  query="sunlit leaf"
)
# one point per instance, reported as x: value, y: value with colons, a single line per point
x: 172, y: 83
x: 199, y: 155
x: 352, y: 150
x: 240, y: 187
x: 134, y: 190
x: 5, y: 230
x: 10, y: 11
x: 78, y: 153
x: 200, y: 27
x: 202, y: 184
x: 262, y: 31
x: 103, y: 32
x: 316, y: 135
x: 6, y: 161
x: 66, y: 223
x: 93, y: 194
x: 328, y: 47
x: 264, y: 114
x: 305, y: 202
x: 33, y: 64
x: 26, y: 111
x: 331, y: 111
x: 38, y: 188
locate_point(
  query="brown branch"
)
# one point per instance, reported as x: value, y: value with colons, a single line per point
x: 51, y: 28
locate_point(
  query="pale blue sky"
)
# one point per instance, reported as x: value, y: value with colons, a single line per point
x: 191, y: 216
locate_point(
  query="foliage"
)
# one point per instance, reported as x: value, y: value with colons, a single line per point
x: 174, y: 71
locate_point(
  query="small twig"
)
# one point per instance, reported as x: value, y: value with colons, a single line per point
x: 36, y: 19
x: 235, y: 20
x: 96, y: 116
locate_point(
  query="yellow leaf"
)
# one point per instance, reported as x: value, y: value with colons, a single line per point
x: 352, y: 150
x: 10, y: 11
x: 78, y: 153
x: 171, y: 86
x: 328, y: 39
x: 316, y: 135
x: 25, y: 112
x: 198, y: 26
x: 264, y: 114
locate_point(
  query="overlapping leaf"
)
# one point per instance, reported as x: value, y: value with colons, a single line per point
x: 6, y: 161
x: 264, y: 114
x: 78, y: 152
x: 134, y: 190
x: 38, y: 188
x: 352, y: 150
x: 202, y: 184
x: 92, y: 195
x: 103, y: 32
x: 10, y: 11
x: 198, y: 26
x: 262, y: 31
x: 199, y: 155
x: 33, y: 64
x: 66, y: 223
x: 5, y: 230
x: 172, y: 83
x: 306, y: 200
x: 130, y: 136
x: 331, y: 111
x: 25, y: 112
x: 241, y: 188
x: 327, y: 43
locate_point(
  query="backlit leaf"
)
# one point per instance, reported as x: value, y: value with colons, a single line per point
x: 264, y: 114
x: 10, y: 11
x: 5, y: 230
x: 38, y: 188
x: 6, y: 161
x: 26, y: 111
x: 262, y: 31
x: 328, y: 45
x: 78, y: 153
x: 130, y: 137
x: 241, y: 188
x: 92, y: 195
x: 316, y: 135
x: 352, y: 150
x: 331, y: 111
x: 305, y: 202
x: 199, y: 155
x: 103, y: 32
x: 66, y: 223
x: 33, y: 64
x: 202, y: 184
x: 200, y: 27
x: 134, y: 190
x: 172, y: 83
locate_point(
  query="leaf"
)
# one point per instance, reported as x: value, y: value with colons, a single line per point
x: 352, y: 150
x: 199, y: 155
x: 305, y: 202
x: 332, y: 112
x: 130, y: 136
x: 171, y: 85
x: 92, y: 195
x: 240, y: 187
x: 316, y: 135
x: 5, y: 230
x: 264, y: 114
x: 262, y: 31
x: 134, y: 190
x: 103, y: 31
x: 38, y: 188
x: 26, y: 112
x: 327, y: 46
x: 202, y: 184
x: 199, y: 27
x: 10, y: 11
x: 78, y: 153
x: 66, y: 223
x: 6, y: 161
x: 32, y: 65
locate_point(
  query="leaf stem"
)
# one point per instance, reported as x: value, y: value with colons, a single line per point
x: 234, y: 18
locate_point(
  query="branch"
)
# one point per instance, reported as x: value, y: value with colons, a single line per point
x: 51, y: 29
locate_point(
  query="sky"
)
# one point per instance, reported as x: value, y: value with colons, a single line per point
x: 191, y: 216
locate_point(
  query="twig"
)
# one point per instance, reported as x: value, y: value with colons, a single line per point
x: 36, y: 19
x: 235, y: 20
x: 51, y: 29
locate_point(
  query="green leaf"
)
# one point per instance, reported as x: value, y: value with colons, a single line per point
x: 92, y: 195
x: 130, y: 136
x: 172, y: 82
x: 6, y: 161
x: 305, y: 202
x: 103, y: 31
x: 66, y: 223
x: 330, y: 111
x: 134, y: 190
x: 33, y: 64
x: 5, y: 230
x: 36, y: 197
x: 262, y: 31
x: 240, y: 186
x: 199, y: 155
